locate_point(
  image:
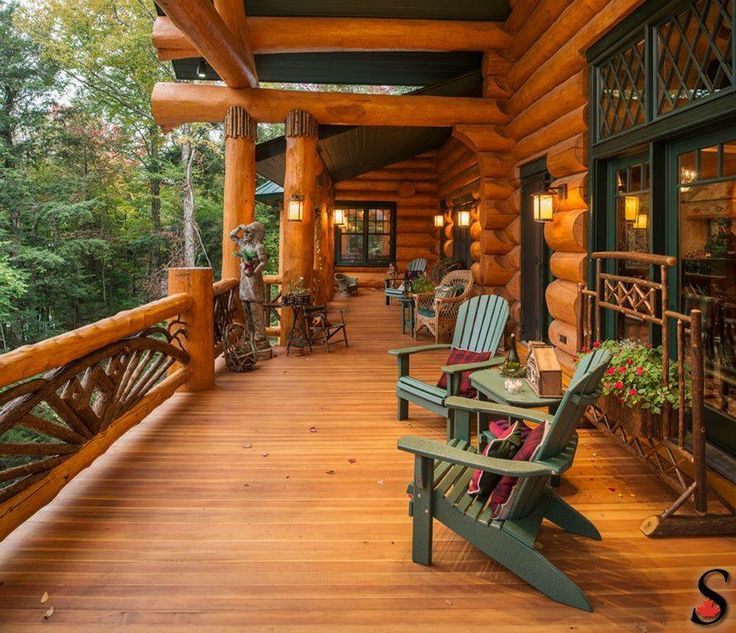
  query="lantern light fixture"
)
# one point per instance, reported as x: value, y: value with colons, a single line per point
x: 296, y: 207
x: 202, y: 69
x: 439, y: 221
x: 641, y: 222
x: 545, y: 203
x: 631, y: 208
x: 463, y: 218
x: 339, y: 217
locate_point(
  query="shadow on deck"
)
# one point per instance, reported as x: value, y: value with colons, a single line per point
x: 223, y: 511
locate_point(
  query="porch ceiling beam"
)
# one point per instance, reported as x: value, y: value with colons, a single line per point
x: 174, y: 104
x: 212, y: 38
x: 269, y: 35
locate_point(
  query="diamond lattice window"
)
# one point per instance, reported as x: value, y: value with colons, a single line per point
x: 694, y: 54
x: 622, y: 92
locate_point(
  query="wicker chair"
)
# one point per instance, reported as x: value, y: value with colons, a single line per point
x: 438, y: 314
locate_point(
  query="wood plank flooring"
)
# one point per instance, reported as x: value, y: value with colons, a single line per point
x: 184, y: 527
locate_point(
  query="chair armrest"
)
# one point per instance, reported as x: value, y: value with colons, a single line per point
x: 438, y: 450
x: 484, y: 364
x: 417, y: 349
x: 480, y: 406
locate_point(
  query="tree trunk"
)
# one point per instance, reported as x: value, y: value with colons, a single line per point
x: 190, y: 226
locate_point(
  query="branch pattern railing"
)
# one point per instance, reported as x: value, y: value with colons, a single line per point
x: 679, y: 460
x: 227, y: 309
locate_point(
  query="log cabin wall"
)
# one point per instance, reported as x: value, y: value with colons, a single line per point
x: 545, y: 89
x: 458, y: 177
x: 412, y: 185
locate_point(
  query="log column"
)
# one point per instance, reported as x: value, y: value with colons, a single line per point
x: 296, y: 256
x: 199, y: 321
x: 240, y: 182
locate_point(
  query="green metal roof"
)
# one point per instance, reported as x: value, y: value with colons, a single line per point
x: 385, y: 68
x: 269, y: 192
x: 350, y: 151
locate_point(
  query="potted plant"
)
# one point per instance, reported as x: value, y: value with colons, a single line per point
x: 633, y: 393
x: 422, y: 285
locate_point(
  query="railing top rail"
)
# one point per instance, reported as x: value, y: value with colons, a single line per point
x: 642, y: 258
x: 272, y: 279
x: 223, y: 286
x: 31, y: 360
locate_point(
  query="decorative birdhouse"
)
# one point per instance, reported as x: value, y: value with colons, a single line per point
x: 543, y: 371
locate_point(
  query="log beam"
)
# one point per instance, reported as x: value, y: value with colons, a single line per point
x: 174, y: 104
x: 214, y: 40
x: 271, y: 35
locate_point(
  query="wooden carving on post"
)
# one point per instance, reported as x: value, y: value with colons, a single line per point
x: 253, y: 260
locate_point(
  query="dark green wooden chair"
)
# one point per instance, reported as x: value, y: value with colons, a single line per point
x: 442, y: 472
x: 394, y: 289
x: 479, y: 327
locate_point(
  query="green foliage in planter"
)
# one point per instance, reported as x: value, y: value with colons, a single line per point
x: 635, y: 376
x: 422, y: 285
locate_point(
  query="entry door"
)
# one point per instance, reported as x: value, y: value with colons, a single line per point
x: 534, y: 257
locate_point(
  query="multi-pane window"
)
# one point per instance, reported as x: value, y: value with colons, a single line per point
x: 694, y: 54
x: 621, y: 98
x: 367, y: 237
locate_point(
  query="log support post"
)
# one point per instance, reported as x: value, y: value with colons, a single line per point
x: 199, y: 321
x: 240, y: 182
x: 296, y: 256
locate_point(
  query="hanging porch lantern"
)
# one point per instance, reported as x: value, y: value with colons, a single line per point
x: 544, y: 206
x: 631, y: 208
x: 296, y: 207
x: 463, y: 218
x: 339, y: 217
x: 439, y: 221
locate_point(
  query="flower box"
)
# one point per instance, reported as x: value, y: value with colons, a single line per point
x: 634, y: 420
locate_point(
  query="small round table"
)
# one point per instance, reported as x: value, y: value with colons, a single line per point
x: 407, y: 313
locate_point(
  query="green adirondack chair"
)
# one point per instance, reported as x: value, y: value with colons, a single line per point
x: 442, y: 472
x: 395, y: 290
x: 479, y: 327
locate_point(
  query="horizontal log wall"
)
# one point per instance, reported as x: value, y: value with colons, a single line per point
x: 547, y: 90
x: 412, y: 185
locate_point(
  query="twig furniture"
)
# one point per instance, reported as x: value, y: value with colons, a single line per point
x: 506, y: 534
x: 299, y: 335
x: 393, y: 288
x: 480, y: 325
x: 346, y: 284
x: 676, y: 456
x: 240, y: 353
x: 322, y: 329
x: 438, y: 314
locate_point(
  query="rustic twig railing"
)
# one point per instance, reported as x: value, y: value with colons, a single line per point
x: 226, y: 308
x: 272, y: 306
x: 679, y: 463
x: 65, y: 400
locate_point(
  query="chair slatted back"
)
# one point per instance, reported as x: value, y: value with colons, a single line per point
x: 582, y: 391
x: 418, y: 265
x: 481, y: 322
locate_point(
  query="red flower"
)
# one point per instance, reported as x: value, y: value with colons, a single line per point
x: 639, y: 371
x: 622, y: 369
x: 708, y: 610
x: 619, y: 385
x: 596, y: 344
x: 611, y: 370
x: 631, y: 362
x: 632, y: 392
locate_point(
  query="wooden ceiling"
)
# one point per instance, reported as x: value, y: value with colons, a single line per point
x: 407, y: 68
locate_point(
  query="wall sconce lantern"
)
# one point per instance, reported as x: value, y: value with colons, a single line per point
x: 439, y: 221
x: 296, y: 206
x: 544, y: 203
x: 339, y: 217
x: 631, y: 208
x: 642, y: 221
x: 463, y: 218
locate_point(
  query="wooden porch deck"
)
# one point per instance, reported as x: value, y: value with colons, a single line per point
x: 182, y: 527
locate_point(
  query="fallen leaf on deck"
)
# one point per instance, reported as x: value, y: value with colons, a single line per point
x: 352, y: 460
x: 264, y: 454
x: 612, y: 490
x: 247, y: 445
x: 330, y: 472
x: 312, y: 429
x: 380, y: 482
x: 45, y: 597
x: 49, y: 613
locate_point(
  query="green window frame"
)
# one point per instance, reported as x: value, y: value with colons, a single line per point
x: 366, y: 224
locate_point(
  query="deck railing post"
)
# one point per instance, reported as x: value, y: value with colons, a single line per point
x: 199, y: 320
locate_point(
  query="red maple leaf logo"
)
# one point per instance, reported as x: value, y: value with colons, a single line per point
x: 708, y: 610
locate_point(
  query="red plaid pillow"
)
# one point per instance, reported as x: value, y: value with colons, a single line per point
x: 460, y: 357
